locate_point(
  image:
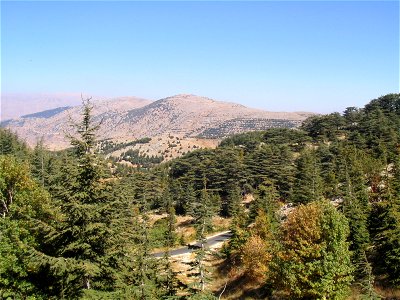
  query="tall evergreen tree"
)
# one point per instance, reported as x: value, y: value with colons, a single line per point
x: 353, y: 189
x: 145, y: 271
x: 239, y: 235
x: 308, y: 185
x: 233, y: 202
x: 266, y: 200
x: 86, y: 234
x: 388, y: 236
x: 202, y: 212
x: 10, y: 144
x: 169, y: 280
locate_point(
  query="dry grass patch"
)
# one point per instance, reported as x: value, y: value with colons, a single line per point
x: 220, y: 224
x: 231, y: 283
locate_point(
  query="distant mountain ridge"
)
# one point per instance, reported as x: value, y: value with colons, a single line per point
x: 46, y: 113
x: 130, y: 118
x: 15, y: 105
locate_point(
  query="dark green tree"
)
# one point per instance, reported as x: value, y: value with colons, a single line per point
x: 169, y: 280
x: 202, y: 211
x: 233, y: 202
x: 388, y: 236
x: 86, y: 236
x: 308, y: 185
x: 145, y: 267
x: 266, y: 200
x: 11, y: 144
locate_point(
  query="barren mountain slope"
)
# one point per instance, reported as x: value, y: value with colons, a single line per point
x: 125, y: 119
x: 191, y: 115
x: 53, y: 129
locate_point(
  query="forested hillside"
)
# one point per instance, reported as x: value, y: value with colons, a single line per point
x: 314, y: 214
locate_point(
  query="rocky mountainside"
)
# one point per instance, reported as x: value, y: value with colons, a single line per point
x: 126, y: 119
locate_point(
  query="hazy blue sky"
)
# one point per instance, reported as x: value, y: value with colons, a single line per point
x: 315, y: 56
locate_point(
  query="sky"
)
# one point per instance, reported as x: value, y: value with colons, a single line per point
x: 319, y: 56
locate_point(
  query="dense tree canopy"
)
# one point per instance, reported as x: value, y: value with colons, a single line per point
x: 312, y: 209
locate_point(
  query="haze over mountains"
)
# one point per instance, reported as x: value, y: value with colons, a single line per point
x: 129, y: 118
x: 15, y: 105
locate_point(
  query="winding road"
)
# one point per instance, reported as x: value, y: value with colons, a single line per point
x: 220, y: 237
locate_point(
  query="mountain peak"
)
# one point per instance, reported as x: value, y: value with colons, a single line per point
x: 129, y: 118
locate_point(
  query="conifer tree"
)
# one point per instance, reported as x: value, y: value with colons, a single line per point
x: 388, y: 237
x: 367, y: 280
x: 144, y: 267
x: 239, y: 235
x: 10, y: 144
x: 203, y: 224
x: 86, y: 236
x: 353, y: 189
x: 266, y: 199
x: 169, y: 280
x: 308, y: 182
x: 43, y: 164
x: 202, y: 211
x: 234, y: 201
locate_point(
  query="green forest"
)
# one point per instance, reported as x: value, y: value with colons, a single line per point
x: 323, y: 221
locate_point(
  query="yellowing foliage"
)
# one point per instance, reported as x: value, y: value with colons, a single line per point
x: 315, y: 256
x: 256, y: 258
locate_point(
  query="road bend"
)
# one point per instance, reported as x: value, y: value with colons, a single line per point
x: 210, y: 241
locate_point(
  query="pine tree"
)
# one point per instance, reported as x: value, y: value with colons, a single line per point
x: 169, y: 280
x: 239, y: 236
x: 10, y: 144
x: 233, y: 202
x: 266, y: 199
x: 43, y: 164
x: 86, y: 235
x: 145, y: 266
x: 203, y: 224
x: 353, y: 189
x: 389, y: 239
x: 367, y: 280
x: 308, y: 182
x: 202, y: 211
